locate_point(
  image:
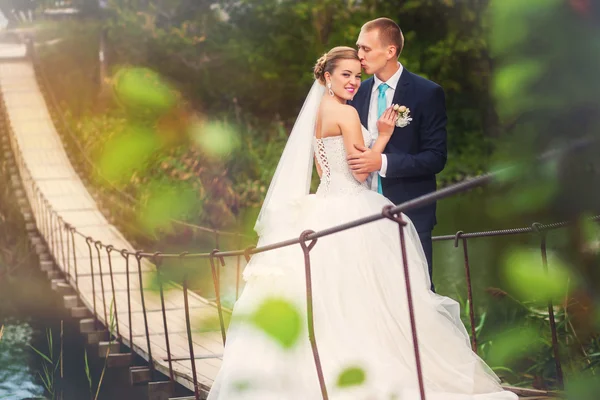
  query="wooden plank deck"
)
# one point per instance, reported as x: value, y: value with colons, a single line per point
x: 47, y: 173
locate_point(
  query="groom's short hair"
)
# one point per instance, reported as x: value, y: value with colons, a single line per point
x: 389, y: 32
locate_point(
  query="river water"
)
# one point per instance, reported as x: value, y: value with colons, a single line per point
x: 29, y: 310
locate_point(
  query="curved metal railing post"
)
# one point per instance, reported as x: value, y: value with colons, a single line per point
x: 539, y: 229
x: 188, y: 326
x: 61, y: 226
x: 68, y: 256
x: 217, y: 283
x: 125, y: 255
x: 158, y: 263
x: 469, y: 288
x: 109, y: 250
x: 89, y: 240
x: 98, y: 245
x: 72, y: 230
x: 309, y: 309
x: 397, y: 217
x: 138, y: 257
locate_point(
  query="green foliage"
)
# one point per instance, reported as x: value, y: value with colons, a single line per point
x: 140, y: 90
x: 242, y: 386
x: 527, y: 278
x: 280, y: 320
x: 352, y: 376
x: 166, y: 204
x: 216, y: 138
x: 126, y: 153
x: 513, y: 345
x: 49, y: 365
x: 545, y: 86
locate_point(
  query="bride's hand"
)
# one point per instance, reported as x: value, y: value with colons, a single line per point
x: 387, y: 122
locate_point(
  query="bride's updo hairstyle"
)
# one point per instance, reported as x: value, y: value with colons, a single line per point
x: 329, y: 60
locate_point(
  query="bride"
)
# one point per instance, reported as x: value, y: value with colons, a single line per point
x: 361, y: 315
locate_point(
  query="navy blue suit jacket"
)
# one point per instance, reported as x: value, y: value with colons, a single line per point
x: 417, y: 152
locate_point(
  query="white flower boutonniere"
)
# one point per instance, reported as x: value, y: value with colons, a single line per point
x: 404, y: 117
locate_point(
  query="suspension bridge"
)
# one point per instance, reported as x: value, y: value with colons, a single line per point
x: 106, y: 283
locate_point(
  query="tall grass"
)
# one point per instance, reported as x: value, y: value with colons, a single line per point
x: 49, y: 365
x: 111, y: 331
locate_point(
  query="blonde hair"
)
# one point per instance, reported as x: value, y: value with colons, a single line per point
x: 389, y: 33
x: 329, y: 61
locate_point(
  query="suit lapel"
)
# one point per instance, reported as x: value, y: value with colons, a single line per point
x: 364, y: 109
x: 403, y: 85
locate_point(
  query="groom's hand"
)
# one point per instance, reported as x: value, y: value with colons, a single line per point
x: 365, y: 161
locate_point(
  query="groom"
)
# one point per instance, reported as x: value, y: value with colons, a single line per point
x: 416, y: 152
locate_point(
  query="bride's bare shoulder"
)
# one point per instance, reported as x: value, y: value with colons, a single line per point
x: 345, y: 113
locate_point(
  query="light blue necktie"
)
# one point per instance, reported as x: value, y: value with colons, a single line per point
x: 381, y: 106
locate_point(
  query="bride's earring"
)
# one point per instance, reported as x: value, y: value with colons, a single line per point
x: 329, y: 87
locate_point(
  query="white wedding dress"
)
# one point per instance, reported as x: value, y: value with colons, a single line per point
x: 360, y: 307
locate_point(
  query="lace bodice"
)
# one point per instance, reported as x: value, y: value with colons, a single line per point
x: 336, y: 177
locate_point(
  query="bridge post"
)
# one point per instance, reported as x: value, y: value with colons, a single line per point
x: 217, y: 284
x: 158, y: 263
x: 189, y: 328
x: 98, y: 245
x: 88, y: 241
x: 537, y: 228
x: 306, y: 248
x: 138, y: 257
x: 469, y: 288
x: 109, y: 250
x: 387, y: 212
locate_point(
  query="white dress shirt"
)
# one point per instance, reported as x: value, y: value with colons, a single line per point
x: 373, y: 117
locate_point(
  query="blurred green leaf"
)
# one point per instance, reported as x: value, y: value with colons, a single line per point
x: 505, y: 173
x: 511, y: 81
x: 512, y: 22
x: 216, y: 138
x: 165, y: 203
x: 242, y: 386
x: 583, y: 387
x: 144, y: 90
x: 513, y: 345
x: 212, y: 323
x: 591, y: 229
x: 280, y: 320
x: 525, y: 275
x: 532, y: 196
x: 126, y: 152
x: 352, y: 376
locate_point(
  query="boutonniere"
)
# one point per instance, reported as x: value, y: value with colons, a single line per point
x: 404, y: 117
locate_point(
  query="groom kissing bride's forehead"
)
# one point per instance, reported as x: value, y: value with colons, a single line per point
x: 416, y: 151
x: 379, y: 44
